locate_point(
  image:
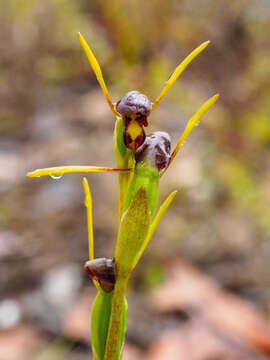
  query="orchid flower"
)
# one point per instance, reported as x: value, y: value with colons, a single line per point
x: 141, y: 160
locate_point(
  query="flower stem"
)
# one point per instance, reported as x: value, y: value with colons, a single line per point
x: 115, y: 320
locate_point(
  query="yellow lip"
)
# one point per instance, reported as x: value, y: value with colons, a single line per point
x: 134, y: 129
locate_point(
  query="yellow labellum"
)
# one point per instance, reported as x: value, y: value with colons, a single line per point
x: 134, y: 129
x: 154, y: 225
x: 193, y: 121
x: 97, y: 70
x: 178, y: 71
x: 60, y: 170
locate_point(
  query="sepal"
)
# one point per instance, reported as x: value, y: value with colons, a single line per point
x: 193, y: 121
x: 97, y: 70
x: 178, y: 71
x: 57, y: 171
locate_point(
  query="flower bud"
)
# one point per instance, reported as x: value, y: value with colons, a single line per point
x: 151, y: 157
x: 155, y: 150
x: 102, y: 270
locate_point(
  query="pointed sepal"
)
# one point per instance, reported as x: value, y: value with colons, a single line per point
x: 178, y: 71
x: 193, y: 121
x: 97, y: 70
x: 58, y: 171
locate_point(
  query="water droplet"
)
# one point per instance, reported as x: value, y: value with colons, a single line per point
x: 56, y: 176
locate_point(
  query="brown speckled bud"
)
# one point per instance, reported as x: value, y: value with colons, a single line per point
x: 134, y: 103
x: 102, y: 270
x: 155, y: 149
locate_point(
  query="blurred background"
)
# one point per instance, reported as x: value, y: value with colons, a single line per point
x: 202, y: 289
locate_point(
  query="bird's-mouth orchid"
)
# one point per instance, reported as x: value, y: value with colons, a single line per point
x: 141, y: 161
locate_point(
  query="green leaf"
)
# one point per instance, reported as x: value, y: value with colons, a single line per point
x: 100, y: 319
x: 133, y: 230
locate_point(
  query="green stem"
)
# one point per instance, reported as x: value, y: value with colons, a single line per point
x: 115, y: 320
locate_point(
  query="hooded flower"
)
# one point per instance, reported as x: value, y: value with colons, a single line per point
x: 141, y: 161
x: 134, y: 108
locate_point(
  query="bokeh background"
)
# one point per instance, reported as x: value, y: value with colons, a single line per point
x: 202, y: 289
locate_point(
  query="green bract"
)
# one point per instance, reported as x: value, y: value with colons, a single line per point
x: 133, y: 229
x: 147, y: 176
